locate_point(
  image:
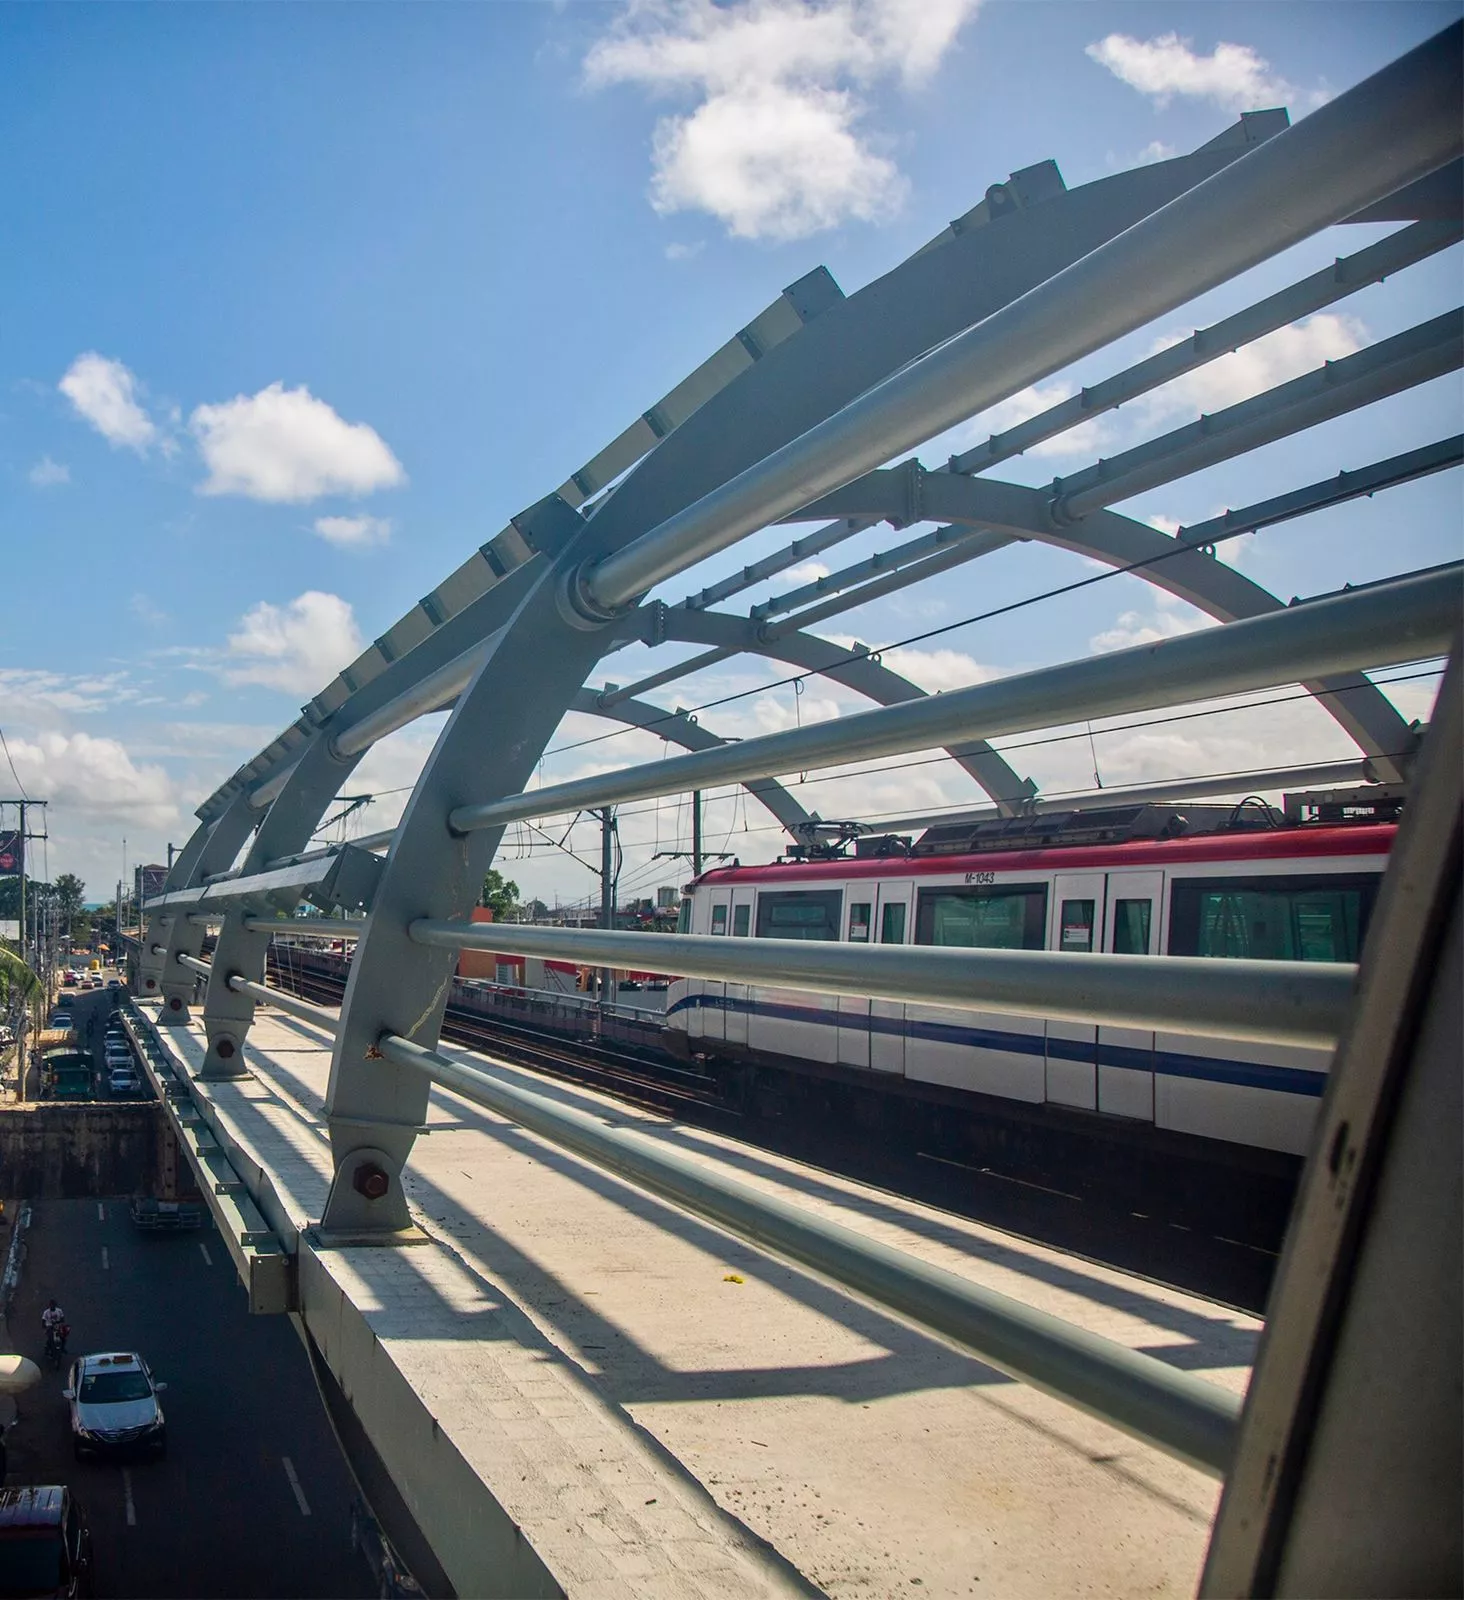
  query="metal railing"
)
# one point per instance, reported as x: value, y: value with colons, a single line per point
x: 1157, y: 1403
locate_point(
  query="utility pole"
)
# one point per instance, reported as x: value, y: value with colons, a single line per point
x: 696, y: 837
x: 21, y: 1047
x: 607, y: 890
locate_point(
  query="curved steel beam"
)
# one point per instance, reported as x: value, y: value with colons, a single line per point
x: 863, y: 673
x: 680, y: 729
x: 1187, y: 572
x: 494, y: 738
x: 211, y: 849
x: 287, y: 827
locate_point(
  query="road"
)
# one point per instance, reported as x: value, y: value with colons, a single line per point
x: 253, y: 1498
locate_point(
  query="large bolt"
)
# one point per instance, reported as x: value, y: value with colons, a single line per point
x: 371, y: 1181
x: 225, y: 1049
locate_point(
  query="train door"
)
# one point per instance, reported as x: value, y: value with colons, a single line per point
x: 893, y: 924
x: 739, y: 995
x: 713, y: 1014
x: 1126, y: 1055
x: 1072, y: 1047
x: 853, y: 1027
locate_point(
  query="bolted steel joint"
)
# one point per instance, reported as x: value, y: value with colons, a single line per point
x: 371, y: 1181
x: 577, y: 606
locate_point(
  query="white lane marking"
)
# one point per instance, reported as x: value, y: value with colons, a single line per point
x: 127, y: 1490
x: 299, y: 1493
x: 106, y: 1259
x: 207, y: 1258
x: 101, y: 1212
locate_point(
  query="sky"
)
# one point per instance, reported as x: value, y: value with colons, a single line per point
x: 299, y: 304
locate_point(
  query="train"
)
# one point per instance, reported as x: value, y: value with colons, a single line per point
x: 1210, y: 881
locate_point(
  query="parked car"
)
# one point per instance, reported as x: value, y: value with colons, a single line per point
x: 69, y: 980
x: 62, y: 1019
x: 114, y: 1405
x: 114, y: 983
x: 122, y: 1080
x: 45, y: 1544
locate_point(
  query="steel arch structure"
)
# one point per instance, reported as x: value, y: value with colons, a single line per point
x: 795, y: 418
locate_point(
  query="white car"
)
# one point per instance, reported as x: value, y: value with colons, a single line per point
x: 122, y: 1080
x: 114, y: 1405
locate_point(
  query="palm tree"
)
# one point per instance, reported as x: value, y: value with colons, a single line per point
x: 17, y: 982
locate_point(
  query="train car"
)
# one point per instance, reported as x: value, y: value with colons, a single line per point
x: 1216, y: 882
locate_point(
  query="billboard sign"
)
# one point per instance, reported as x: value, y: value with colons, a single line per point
x: 12, y: 853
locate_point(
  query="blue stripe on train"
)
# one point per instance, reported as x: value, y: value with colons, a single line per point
x: 1171, y: 1063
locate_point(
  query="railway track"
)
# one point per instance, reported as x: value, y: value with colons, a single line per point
x: 666, y: 1087
x: 1153, y: 1243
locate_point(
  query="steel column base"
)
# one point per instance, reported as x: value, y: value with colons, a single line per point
x: 366, y: 1199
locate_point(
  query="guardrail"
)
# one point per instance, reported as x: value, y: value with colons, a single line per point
x: 1163, y: 1406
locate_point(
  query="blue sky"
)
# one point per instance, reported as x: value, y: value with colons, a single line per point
x: 302, y: 303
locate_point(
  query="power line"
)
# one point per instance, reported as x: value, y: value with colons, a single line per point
x: 11, y: 764
x: 854, y: 656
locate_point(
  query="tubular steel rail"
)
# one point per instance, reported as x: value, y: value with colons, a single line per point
x: 797, y: 419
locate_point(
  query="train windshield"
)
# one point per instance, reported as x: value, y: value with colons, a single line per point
x: 1272, y: 919
x: 800, y: 914
x: 1009, y: 918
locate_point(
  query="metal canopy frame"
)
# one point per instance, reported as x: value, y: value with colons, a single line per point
x: 797, y: 418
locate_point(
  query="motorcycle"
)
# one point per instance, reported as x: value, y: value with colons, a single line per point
x: 56, y: 1338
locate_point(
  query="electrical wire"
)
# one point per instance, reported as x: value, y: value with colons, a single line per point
x: 854, y: 656
x: 1082, y: 733
x: 9, y: 761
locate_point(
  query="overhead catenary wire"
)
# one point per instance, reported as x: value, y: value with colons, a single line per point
x: 852, y: 657
x: 845, y: 774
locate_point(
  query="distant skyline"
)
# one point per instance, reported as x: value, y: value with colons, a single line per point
x: 302, y: 303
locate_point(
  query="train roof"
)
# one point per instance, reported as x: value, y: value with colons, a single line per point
x: 1278, y: 844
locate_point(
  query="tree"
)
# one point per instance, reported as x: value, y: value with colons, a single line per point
x: 17, y: 982
x: 499, y: 894
x: 70, y: 892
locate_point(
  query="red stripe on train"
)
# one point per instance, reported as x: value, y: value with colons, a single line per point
x: 1285, y: 844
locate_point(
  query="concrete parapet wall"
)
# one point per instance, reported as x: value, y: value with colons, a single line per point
x: 67, y: 1152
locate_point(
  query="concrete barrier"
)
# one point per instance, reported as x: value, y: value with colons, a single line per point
x: 70, y: 1151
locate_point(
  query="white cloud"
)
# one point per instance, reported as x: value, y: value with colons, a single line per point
x: 91, y: 779
x: 1169, y: 618
x: 1233, y: 76
x: 1155, y: 150
x: 353, y: 533
x: 146, y: 610
x: 285, y: 445
x: 806, y: 572
x: 37, y: 697
x: 936, y: 671
x: 47, y: 473
x: 298, y: 647
x: 685, y: 252
x: 1274, y: 359
x: 104, y: 392
x: 773, y: 147
x: 1277, y: 358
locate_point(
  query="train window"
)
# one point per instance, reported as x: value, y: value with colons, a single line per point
x: 1272, y: 919
x: 683, y: 919
x: 859, y: 922
x: 1075, y: 926
x: 1131, y: 927
x: 741, y: 918
x: 719, y: 919
x: 892, y: 923
x: 800, y: 914
x: 984, y: 919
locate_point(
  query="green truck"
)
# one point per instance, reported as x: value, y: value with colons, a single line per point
x: 66, y: 1075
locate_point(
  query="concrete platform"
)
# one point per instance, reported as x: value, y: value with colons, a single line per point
x: 580, y: 1389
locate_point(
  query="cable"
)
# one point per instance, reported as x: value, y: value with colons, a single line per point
x: 854, y: 656
x: 11, y: 764
x: 1118, y: 727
